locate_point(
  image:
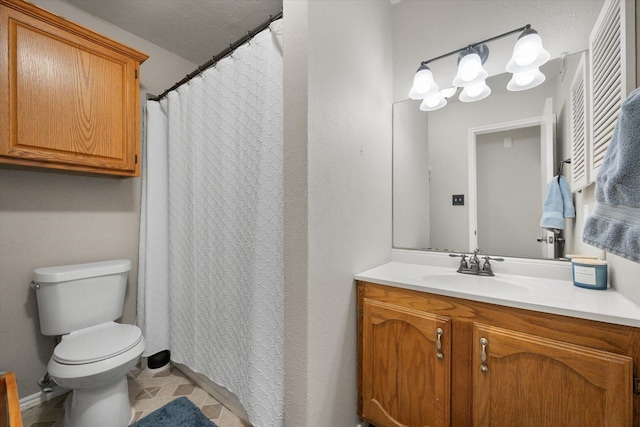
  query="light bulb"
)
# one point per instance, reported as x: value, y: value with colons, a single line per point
x: 469, y: 67
x: 527, y: 49
x: 423, y: 80
x: 432, y: 101
x: 528, y: 53
x: 475, y: 90
x: 523, y: 79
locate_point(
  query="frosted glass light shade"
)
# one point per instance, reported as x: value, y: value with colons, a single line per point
x: 413, y: 94
x: 526, y: 80
x: 475, y: 92
x: 449, y: 92
x: 423, y: 84
x: 433, y: 102
x: 470, y: 71
x: 528, y: 53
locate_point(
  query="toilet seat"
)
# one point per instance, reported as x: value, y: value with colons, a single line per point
x: 96, y: 343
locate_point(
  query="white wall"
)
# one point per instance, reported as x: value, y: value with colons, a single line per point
x: 52, y: 219
x: 296, y: 222
x: 348, y: 61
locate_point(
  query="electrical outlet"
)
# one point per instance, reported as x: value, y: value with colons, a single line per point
x: 458, y: 199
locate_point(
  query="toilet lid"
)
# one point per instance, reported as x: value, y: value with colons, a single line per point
x: 96, y: 343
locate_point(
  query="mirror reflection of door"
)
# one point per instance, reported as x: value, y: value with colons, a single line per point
x: 509, y: 200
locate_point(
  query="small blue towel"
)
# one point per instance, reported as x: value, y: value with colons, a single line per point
x: 614, y: 224
x: 558, y: 205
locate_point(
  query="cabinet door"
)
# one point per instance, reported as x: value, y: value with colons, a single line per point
x: 526, y: 381
x: 69, y: 100
x: 406, y: 364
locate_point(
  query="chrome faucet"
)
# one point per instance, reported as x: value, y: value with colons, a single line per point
x: 472, y: 266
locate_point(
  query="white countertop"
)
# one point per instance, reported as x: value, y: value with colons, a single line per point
x: 532, y: 293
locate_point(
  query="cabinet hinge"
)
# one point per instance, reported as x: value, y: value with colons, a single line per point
x: 361, y: 312
x: 636, y: 385
x: 136, y: 72
x: 135, y: 158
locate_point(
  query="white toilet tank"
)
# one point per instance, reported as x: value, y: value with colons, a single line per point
x: 73, y: 297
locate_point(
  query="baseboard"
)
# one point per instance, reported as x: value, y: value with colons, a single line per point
x: 221, y: 394
x: 40, y: 397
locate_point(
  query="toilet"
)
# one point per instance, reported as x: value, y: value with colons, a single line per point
x: 81, y: 303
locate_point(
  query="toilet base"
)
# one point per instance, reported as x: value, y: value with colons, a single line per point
x: 106, y: 406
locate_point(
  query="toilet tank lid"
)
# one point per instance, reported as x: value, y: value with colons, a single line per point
x: 65, y: 273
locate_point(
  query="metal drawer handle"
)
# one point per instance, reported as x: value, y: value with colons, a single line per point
x: 483, y: 356
x: 439, y: 333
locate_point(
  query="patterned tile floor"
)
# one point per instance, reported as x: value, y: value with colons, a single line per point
x: 148, y: 392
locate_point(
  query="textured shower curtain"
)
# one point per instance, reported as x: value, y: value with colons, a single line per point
x: 225, y: 208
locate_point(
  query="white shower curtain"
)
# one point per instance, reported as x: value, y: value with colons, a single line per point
x: 225, y: 209
x: 153, y: 254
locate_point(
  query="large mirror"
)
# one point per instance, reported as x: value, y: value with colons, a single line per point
x: 475, y: 174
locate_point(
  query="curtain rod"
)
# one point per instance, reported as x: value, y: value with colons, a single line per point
x: 223, y: 54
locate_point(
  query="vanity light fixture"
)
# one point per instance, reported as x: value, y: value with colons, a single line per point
x: 528, y: 56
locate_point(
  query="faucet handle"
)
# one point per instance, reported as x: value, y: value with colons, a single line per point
x: 487, y: 265
x: 463, y: 261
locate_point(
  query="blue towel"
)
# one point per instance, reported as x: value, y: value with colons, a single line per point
x: 558, y: 205
x: 614, y: 224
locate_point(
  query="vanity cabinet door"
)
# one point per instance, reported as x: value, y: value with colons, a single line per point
x: 525, y: 380
x: 406, y: 366
x: 69, y: 98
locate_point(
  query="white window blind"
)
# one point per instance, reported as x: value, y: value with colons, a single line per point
x: 612, y: 73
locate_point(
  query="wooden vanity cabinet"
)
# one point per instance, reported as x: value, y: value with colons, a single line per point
x: 526, y: 380
x: 69, y: 97
x: 408, y: 365
x: 501, y: 366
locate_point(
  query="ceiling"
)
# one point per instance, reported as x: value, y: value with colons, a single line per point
x: 193, y: 29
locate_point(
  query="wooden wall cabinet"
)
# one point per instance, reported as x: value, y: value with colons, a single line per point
x: 69, y: 97
x: 499, y: 366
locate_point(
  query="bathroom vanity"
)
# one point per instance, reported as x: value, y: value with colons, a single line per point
x: 437, y: 348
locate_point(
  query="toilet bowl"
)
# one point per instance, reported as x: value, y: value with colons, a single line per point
x: 81, y: 303
x: 94, y: 363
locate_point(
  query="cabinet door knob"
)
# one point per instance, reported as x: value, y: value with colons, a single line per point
x: 439, y: 333
x: 483, y: 355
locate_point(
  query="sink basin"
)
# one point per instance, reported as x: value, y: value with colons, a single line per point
x: 468, y: 282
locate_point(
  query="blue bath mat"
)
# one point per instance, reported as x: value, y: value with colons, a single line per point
x: 177, y: 413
